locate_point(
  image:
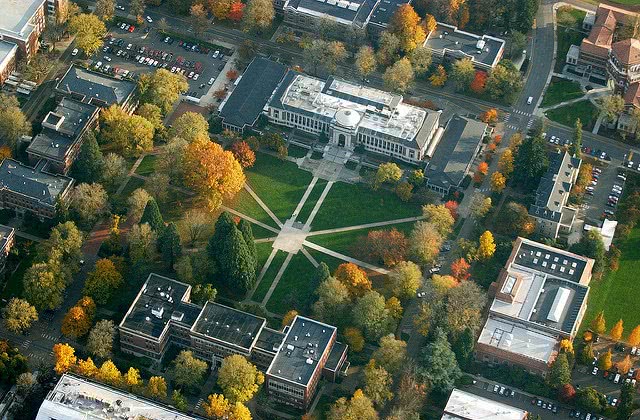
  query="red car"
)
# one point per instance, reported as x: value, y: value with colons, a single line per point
x: 132, y: 28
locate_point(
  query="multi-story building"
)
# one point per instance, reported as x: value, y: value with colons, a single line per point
x: 7, y: 240
x: 381, y: 17
x: 97, y: 89
x: 60, y: 140
x: 550, y: 210
x: 75, y: 397
x: 464, y: 405
x: 540, y: 299
x: 351, y: 115
x: 32, y: 189
x: 307, y: 14
x: 449, y: 42
x: 8, y: 53
x: 21, y: 23
x: 162, y: 315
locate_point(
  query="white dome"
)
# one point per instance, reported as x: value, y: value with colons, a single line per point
x: 347, y: 117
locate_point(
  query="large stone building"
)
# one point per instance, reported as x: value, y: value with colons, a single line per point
x: 162, y: 315
x: 32, y: 189
x: 550, y: 209
x: 464, y: 405
x: 60, y: 140
x: 540, y: 299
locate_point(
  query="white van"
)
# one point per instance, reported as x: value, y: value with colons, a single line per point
x: 530, y: 100
x: 617, y: 378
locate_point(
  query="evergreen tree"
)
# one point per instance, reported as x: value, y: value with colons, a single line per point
x: 224, y: 225
x: 235, y: 262
x: 463, y: 347
x: 170, y: 245
x: 87, y: 167
x: 247, y: 234
x: 321, y: 274
x: 560, y: 373
x: 625, y: 408
x: 439, y: 363
x: 152, y: 216
x: 577, y: 139
x: 531, y: 162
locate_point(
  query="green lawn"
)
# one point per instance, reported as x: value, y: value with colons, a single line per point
x: 147, y: 166
x: 354, y: 204
x: 295, y: 289
x: 269, y: 276
x: 132, y: 184
x: 279, y: 184
x: 568, y: 114
x: 263, y: 250
x: 561, y: 90
x: 245, y: 204
x: 617, y: 293
x: 347, y: 242
x: 312, y: 199
x: 566, y: 38
x: 331, y: 262
x: 297, y: 151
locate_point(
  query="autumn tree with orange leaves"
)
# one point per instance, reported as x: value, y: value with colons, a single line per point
x: 237, y: 11
x: 405, y: 24
x: 452, y: 206
x: 354, y: 278
x: 460, y: 269
x: 483, y: 168
x: 212, y: 172
x: 64, y: 357
x: 243, y: 154
x: 490, y: 116
x: 386, y: 246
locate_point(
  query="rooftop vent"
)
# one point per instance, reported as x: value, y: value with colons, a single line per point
x: 309, y: 361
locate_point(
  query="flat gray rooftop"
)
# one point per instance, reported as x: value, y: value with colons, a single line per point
x: 15, y: 16
x: 92, y: 85
x: 305, y: 343
x: 347, y: 11
x: 567, y: 313
x: 5, y: 233
x: 269, y: 339
x: 464, y: 44
x: 229, y: 325
x: 6, y: 50
x: 384, y: 11
x: 565, y: 266
x: 32, y: 182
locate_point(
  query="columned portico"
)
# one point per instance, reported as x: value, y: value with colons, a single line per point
x: 343, y: 128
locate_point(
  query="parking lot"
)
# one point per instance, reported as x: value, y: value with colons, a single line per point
x: 602, y: 195
x: 130, y: 53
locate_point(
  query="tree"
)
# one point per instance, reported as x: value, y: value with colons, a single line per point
x: 576, y: 146
x: 425, y: 241
x: 88, y: 202
x: 13, y: 122
x: 462, y: 74
x: 190, y: 126
x: 358, y: 407
x: 64, y: 357
x: 483, y: 169
x: 44, y: 285
x: 517, y: 219
x: 463, y: 346
x: 161, y: 88
x: 157, y: 387
x: 259, y: 14
x: 460, y: 269
x: 132, y: 135
x: 623, y: 366
x: 592, y: 246
x: 420, y: 59
x: 388, y: 247
x: 626, y: 406
x: 531, y: 162
x: 479, y: 82
x: 490, y: 116
x: 195, y: 222
x: 141, y: 243
x: 560, y: 372
x: 103, y: 281
x: 400, y: 76
x: 372, y: 316
x: 216, y: 406
x: 616, y: 331
x: 598, y: 324
x: 405, y: 279
x: 566, y: 393
x: 333, y: 300
x: 137, y: 8
x: 179, y: 401
x: 19, y: 315
x: 233, y: 256
x: 137, y: 202
x: 239, y: 379
x: 114, y: 170
x: 187, y: 370
x: 88, y: 165
x: 487, y: 246
x: 170, y: 245
x: 243, y: 154
x: 132, y: 378
x: 439, y: 77
x: 440, y: 217
x: 404, y: 191
x: 101, y: 336
x: 377, y: 384
x: 89, y: 31
x: 199, y: 20
x: 480, y: 205
x: 634, y: 336
x: 153, y: 114
x: 236, y: 12
x: 504, y: 82
x: 505, y: 164
x: 366, y: 61
x: 354, y: 278
x: 588, y: 399
x: 203, y: 293
x: 587, y: 355
x: 152, y: 216
x: 109, y: 373
x: 463, y: 307
x: 388, y: 46
x: 76, y: 322
x: 498, y: 182
x: 288, y: 318
x: 439, y: 364
x: 611, y: 106
x: 212, y: 172
x: 105, y: 9
x: 604, y: 361
x: 405, y: 24
x: 391, y: 354
x: 388, y: 172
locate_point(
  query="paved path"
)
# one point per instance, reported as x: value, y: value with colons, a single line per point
x: 304, y: 197
x: 28, y: 236
x: 345, y: 257
x: 264, y: 206
x: 366, y: 225
x: 250, y: 219
x: 263, y: 240
x: 264, y: 269
x: 318, y: 204
x: 277, y: 279
x: 132, y: 171
x: 309, y: 257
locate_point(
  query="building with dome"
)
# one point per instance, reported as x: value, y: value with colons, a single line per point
x: 351, y: 115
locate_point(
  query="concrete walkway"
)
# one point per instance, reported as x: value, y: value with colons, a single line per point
x: 345, y: 258
x: 312, y: 216
x: 366, y: 225
x: 309, y: 257
x: 264, y: 269
x: 304, y: 197
x: 264, y: 206
x: 132, y: 171
x: 276, y: 280
x: 250, y: 219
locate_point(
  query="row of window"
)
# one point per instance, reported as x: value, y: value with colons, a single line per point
x: 300, y: 120
x: 376, y: 143
x: 285, y: 389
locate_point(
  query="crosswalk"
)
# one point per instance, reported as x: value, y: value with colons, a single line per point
x: 483, y: 189
x: 26, y: 344
x: 506, y: 117
x: 526, y: 114
x: 50, y: 337
x: 529, y: 124
x: 200, y: 402
x: 513, y: 127
x: 40, y: 356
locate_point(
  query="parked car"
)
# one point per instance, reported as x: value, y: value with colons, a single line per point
x: 595, y: 370
x: 211, y: 81
x: 149, y: 19
x: 616, y: 379
x: 107, y: 58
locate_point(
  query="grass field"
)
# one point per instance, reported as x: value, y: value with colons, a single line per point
x: 279, y: 184
x: 147, y: 166
x: 561, y: 90
x: 132, y: 184
x: 617, y: 293
x: 269, y: 276
x: 349, y: 205
x: 296, y: 288
x: 263, y: 251
x: 567, y: 115
x: 331, y: 262
x: 297, y: 151
x: 245, y: 204
x: 568, y: 36
x: 312, y: 199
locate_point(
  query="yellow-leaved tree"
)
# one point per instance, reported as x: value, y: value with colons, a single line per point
x: 239, y: 379
x: 157, y: 387
x: 354, y: 278
x: 617, y: 330
x: 87, y: 368
x: 487, y: 246
x: 634, y: 337
x: 598, y: 324
x: 64, y: 356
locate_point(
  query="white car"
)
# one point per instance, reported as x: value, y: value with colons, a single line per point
x: 595, y: 370
x: 173, y: 69
x: 195, y: 76
x: 211, y: 81
x: 420, y: 294
x: 98, y: 64
x: 216, y: 54
x: 107, y: 58
x: 149, y: 19
x: 529, y: 100
x: 74, y: 52
x: 119, y: 7
x: 129, y: 46
x: 190, y: 75
x: 123, y: 25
